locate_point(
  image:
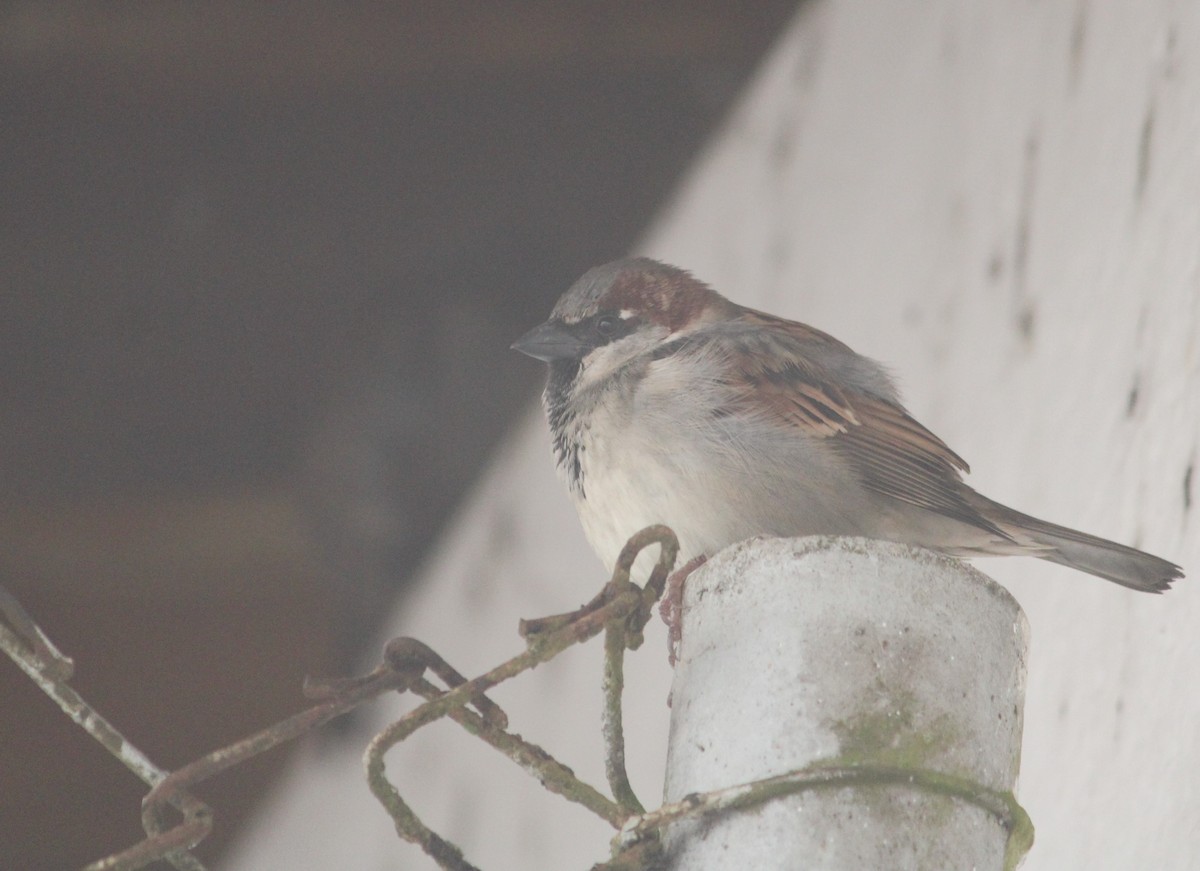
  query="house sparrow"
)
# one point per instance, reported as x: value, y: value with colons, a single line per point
x: 670, y: 404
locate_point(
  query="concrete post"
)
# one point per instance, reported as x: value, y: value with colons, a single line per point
x: 844, y: 651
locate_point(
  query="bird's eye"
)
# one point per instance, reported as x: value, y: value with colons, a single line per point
x: 608, y: 325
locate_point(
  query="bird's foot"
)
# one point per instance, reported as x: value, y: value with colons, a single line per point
x: 671, y: 606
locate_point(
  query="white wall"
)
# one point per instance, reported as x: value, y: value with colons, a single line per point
x: 1002, y: 200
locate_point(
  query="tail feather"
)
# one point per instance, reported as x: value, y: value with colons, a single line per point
x: 1114, y: 562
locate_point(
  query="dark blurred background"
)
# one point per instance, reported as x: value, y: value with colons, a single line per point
x: 260, y: 266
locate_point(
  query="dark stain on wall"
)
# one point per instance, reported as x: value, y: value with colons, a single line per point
x: 1024, y: 308
x: 1188, y: 476
x: 1145, y: 143
x: 1134, y: 394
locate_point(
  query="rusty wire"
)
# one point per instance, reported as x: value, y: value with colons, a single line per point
x: 28, y: 646
x: 639, y: 837
x: 621, y: 610
x: 25, y: 643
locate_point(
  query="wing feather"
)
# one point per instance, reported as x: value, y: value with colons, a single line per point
x: 798, y: 377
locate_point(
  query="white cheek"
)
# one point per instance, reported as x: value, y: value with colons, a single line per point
x: 601, y: 363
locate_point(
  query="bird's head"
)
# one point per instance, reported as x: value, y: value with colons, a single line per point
x: 618, y: 312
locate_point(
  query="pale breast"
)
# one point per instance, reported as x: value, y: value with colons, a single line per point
x: 661, y: 451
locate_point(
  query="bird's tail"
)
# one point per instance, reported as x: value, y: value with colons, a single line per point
x: 1114, y: 562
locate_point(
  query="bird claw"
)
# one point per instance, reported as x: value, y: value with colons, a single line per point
x: 671, y: 606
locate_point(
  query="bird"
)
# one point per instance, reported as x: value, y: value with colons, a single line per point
x: 668, y: 403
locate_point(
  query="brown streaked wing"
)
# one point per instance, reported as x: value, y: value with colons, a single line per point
x: 900, y: 458
x: 776, y: 379
x: 893, y: 453
x: 791, y: 395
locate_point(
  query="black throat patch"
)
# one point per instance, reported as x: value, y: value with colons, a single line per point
x: 563, y: 425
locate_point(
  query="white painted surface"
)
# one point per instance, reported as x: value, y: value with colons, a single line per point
x: 802, y: 651
x: 1002, y: 200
